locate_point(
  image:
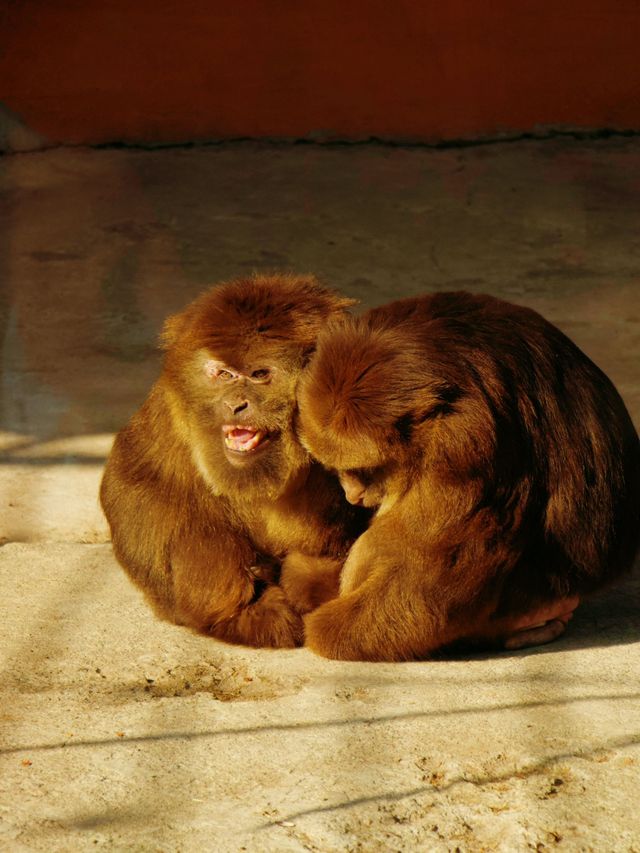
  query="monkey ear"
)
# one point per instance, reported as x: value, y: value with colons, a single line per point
x: 324, y: 306
x: 173, y: 328
x: 441, y: 402
x: 404, y: 426
x: 337, y: 304
x: 307, y: 352
x: 169, y: 333
x: 315, y: 296
x: 316, y: 308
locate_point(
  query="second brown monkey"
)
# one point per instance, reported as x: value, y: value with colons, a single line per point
x: 502, y: 462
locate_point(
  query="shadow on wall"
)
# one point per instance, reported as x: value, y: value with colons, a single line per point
x: 90, y: 275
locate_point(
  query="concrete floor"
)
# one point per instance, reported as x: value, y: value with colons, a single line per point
x: 122, y: 733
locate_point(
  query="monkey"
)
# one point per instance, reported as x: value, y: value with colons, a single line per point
x: 207, y: 488
x: 502, y: 465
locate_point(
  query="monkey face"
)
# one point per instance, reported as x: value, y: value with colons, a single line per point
x: 240, y: 408
x: 233, y: 359
x: 364, y: 486
x: 250, y: 405
x: 358, y: 409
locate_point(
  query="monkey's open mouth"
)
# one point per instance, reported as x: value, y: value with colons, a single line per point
x: 243, y: 439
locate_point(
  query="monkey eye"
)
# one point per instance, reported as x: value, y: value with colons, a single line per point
x: 262, y: 374
x: 365, y: 476
x: 224, y: 374
x: 219, y: 370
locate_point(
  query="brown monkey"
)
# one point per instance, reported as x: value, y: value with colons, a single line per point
x: 207, y: 488
x: 503, y: 464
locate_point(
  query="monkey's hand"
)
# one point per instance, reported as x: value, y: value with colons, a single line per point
x: 268, y: 621
x: 264, y: 570
x: 309, y: 581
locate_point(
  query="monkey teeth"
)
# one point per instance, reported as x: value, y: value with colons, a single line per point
x: 242, y: 439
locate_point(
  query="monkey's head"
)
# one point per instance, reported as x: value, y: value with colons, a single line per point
x: 366, y: 402
x: 233, y: 360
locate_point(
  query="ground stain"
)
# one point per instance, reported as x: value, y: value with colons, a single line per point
x: 233, y: 683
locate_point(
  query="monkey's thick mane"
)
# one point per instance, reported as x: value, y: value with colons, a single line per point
x: 289, y: 309
x: 361, y: 379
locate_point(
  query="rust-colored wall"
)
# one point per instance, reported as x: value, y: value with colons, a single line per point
x: 83, y: 71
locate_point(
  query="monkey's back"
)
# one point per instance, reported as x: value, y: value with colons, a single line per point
x: 560, y: 425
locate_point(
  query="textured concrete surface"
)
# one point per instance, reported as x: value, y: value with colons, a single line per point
x: 119, y: 732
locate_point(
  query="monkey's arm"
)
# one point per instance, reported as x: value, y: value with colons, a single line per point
x: 401, y: 603
x: 215, y: 592
x: 195, y: 567
x: 372, y: 623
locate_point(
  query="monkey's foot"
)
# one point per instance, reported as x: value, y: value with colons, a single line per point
x: 541, y: 626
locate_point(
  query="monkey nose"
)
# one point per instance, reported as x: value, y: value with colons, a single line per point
x: 237, y: 406
x: 355, y: 497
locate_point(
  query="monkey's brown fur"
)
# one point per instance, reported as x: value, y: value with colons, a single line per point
x: 503, y: 461
x: 200, y: 518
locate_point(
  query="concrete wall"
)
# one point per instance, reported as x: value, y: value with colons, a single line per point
x: 150, y: 71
